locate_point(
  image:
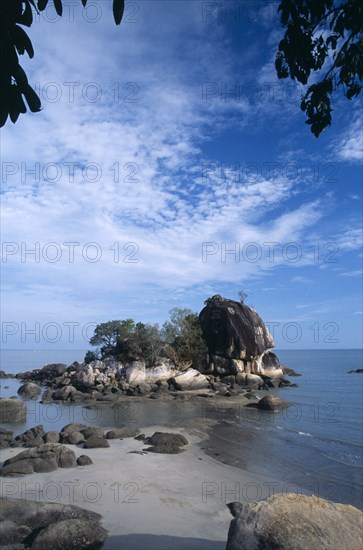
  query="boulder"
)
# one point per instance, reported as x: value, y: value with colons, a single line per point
x: 161, y: 439
x: 74, y: 427
x: 166, y: 443
x: 71, y: 438
x: 92, y: 430
x: 95, y: 441
x: 161, y: 372
x: 50, y: 525
x: 249, y: 380
x: 190, y: 380
x: 268, y: 364
x: 44, y: 458
x: 84, y: 460
x: 12, y: 410
x: 12, y: 533
x: 298, y: 522
x: 32, y: 437
x: 272, y: 403
x: 233, y: 330
x: 72, y: 534
x: 51, y: 437
x: 135, y: 373
x: 62, y: 394
x: 29, y: 390
x: 122, y: 433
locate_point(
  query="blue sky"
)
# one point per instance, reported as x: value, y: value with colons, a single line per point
x: 169, y: 164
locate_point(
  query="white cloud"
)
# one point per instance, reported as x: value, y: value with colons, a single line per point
x: 142, y: 189
x: 350, y: 146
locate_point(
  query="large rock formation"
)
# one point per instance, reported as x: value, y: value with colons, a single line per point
x: 291, y: 521
x: 238, y: 340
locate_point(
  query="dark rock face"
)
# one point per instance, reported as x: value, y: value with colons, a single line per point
x: 237, y: 339
x: 291, y: 521
x: 12, y: 410
x: 234, y: 330
x: 44, y: 458
x: 41, y: 526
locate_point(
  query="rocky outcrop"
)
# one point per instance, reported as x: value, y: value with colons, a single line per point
x: 238, y: 340
x: 4, y: 374
x: 12, y: 410
x: 298, y: 522
x: 41, y: 526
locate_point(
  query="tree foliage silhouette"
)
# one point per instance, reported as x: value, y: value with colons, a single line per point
x: 14, y: 41
x: 322, y: 36
x: 325, y: 36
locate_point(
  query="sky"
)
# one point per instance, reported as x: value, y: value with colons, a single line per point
x: 169, y: 164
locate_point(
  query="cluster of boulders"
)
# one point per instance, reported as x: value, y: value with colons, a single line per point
x: 47, y: 451
x: 106, y: 381
x: 89, y: 437
x: 292, y: 521
x: 41, y: 526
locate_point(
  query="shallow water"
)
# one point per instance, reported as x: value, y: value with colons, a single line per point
x: 315, y: 445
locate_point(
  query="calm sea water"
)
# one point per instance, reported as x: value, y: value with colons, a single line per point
x: 316, y: 444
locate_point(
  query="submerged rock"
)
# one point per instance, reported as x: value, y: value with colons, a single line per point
x: 29, y: 390
x: 272, y: 403
x: 294, y: 522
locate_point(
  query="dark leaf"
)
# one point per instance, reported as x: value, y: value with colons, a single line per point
x: 32, y: 99
x: 22, y: 41
x: 118, y: 10
x: 58, y: 7
x: 354, y: 90
x: 26, y: 17
x: 21, y: 78
x: 84, y: 2
x: 42, y: 4
x: 4, y: 104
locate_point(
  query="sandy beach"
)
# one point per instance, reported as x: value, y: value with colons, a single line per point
x: 149, y: 501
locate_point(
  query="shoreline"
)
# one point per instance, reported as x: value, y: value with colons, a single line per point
x: 149, y: 501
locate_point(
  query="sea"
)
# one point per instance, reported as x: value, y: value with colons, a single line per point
x: 314, y: 446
